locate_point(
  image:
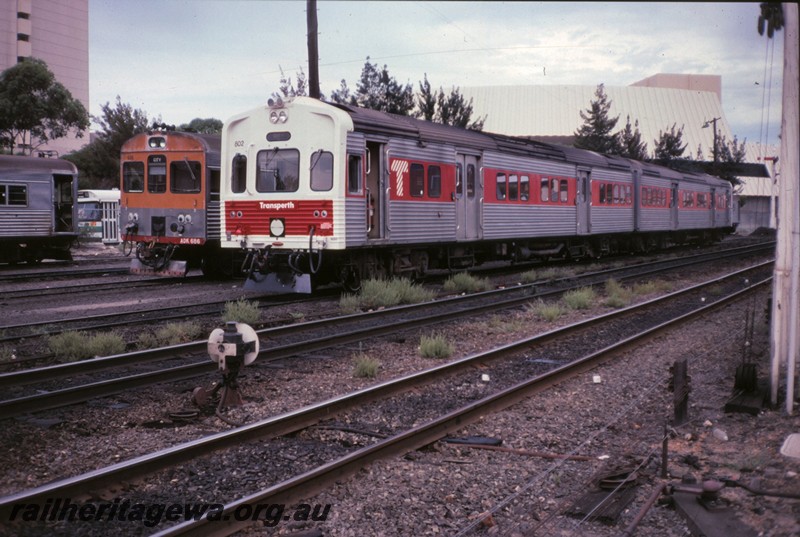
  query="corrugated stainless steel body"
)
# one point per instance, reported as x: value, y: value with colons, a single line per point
x: 37, y: 206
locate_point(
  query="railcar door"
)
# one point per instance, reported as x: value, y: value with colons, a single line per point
x: 376, y: 190
x: 583, y: 201
x: 673, y: 207
x: 713, y: 207
x: 64, y: 188
x: 467, y: 197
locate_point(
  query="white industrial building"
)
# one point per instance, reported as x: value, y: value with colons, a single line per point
x: 56, y: 32
x: 691, y: 102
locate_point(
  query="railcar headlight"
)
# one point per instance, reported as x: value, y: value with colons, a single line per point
x: 130, y: 217
x: 276, y: 116
x: 180, y: 218
x: 187, y: 219
x: 277, y: 227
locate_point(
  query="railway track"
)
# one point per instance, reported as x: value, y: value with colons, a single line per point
x: 436, y: 420
x: 46, y: 388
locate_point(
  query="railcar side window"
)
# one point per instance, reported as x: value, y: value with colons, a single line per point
x: 545, y: 193
x: 239, y: 173
x: 185, y: 176
x: 277, y: 170
x: 417, y: 180
x: 156, y: 174
x: 133, y: 176
x: 470, y: 181
x: 3, y: 195
x: 434, y: 181
x: 354, y: 178
x: 501, y: 186
x: 459, y: 181
x: 701, y: 201
x: 321, y: 171
x: 513, y: 187
x: 524, y: 188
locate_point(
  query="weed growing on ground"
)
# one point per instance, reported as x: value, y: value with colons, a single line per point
x: 435, y: 346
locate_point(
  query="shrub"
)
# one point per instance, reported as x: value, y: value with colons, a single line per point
x: 464, y: 282
x: 241, y: 311
x: 529, y: 276
x: 435, y: 346
x: 549, y: 311
x: 579, y: 299
x: 176, y: 333
x: 70, y: 346
x: 617, y: 296
x: 649, y: 287
x: 365, y: 366
x: 106, y: 344
x: 376, y: 294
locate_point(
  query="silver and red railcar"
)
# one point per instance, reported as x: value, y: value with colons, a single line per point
x: 38, y: 215
x: 317, y: 193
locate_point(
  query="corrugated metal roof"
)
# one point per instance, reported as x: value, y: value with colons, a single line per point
x: 555, y: 111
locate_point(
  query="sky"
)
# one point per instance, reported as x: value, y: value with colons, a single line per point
x: 182, y: 59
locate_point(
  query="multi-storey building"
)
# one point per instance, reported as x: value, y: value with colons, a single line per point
x: 57, y: 32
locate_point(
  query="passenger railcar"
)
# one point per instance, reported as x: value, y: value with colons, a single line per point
x: 319, y: 193
x: 98, y: 215
x: 170, y: 203
x: 38, y: 217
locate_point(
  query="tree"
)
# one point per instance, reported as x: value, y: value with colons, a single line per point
x: 630, y: 142
x: 203, y: 126
x: 454, y: 110
x: 343, y: 95
x: 426, y: 101
x: 34, y: 106
x: 595, y: 133
x: 287, y: 88
x: 771, y: 16
x: 732, y: 152
x: 668, y: 146
x: 379, y: 91
x: 99, y: 160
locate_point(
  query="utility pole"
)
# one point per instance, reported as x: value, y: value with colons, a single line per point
x: 785, y: 340
x: 313, y: 52
x: 705, y: 126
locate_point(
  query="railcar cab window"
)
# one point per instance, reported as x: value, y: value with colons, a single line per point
x: 133, y: 176
x: 321, y: 171
x: 355, y: 181
x: 156, y: 174
x: 185, y: 176
x: 239, y: 173
x: 277, y: 170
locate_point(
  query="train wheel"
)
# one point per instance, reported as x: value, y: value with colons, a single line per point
x: 351, y: 279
